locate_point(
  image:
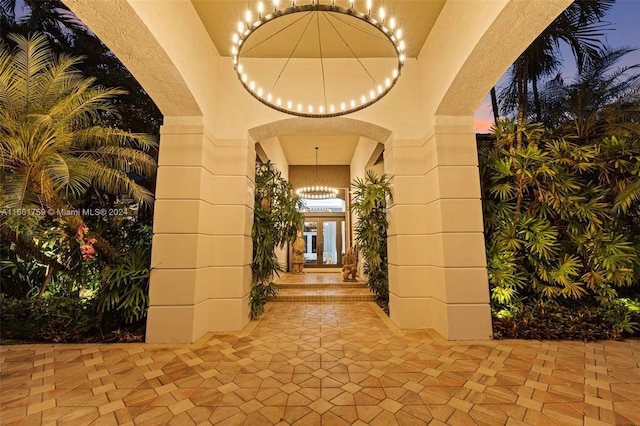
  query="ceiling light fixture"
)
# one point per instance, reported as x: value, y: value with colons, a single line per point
x: 317, y: 192
x: 334, y: 17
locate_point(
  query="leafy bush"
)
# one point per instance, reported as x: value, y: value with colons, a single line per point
x: 556, y: 216
x: 545, y: 319
x: 58, y: 320
x: 125, y: 286
x: 370, y: 206
x: 276, y: 220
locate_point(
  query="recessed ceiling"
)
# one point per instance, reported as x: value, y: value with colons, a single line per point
x: 415, y: 17
x: 332, y: 149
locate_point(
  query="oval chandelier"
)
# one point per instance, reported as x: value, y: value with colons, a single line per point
x: 334, y: 25
x: 317, y: 192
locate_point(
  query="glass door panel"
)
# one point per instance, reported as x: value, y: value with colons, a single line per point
x: 310, y: 235
x: 330, y: 242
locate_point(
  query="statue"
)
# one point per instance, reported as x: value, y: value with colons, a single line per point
x: 298, y: 255
x: 349, y: 266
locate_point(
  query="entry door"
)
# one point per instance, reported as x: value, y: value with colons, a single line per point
x: 324, y: 242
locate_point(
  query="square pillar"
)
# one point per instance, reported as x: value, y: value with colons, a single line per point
x: 201, y: 251
x: 437, y: 265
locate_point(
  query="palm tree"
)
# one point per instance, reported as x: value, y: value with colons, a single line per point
x: 581, y: 28
x: 371, y: 196
x: 602, y: 100
x: 54, y: 147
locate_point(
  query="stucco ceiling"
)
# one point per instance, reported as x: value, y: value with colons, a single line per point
x: 333, y: 149
x: 415, y: 17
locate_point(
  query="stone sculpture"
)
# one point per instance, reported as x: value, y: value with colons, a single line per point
x: 298, y: 255
x: 349, y: 266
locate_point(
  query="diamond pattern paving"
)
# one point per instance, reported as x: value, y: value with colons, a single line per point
x: 323, y: 364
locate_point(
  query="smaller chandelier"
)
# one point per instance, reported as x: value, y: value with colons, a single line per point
x: 385, y: 27
x: 317, y: 192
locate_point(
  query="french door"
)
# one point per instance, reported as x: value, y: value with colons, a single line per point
x: 324, y: 238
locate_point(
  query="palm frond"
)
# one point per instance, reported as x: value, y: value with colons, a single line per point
x: 99, y: 135
x: 117, y: 182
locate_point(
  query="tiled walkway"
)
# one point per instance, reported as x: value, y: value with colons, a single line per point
x: 329, y: 364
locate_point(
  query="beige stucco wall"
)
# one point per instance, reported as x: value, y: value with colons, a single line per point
x: 202, y: 245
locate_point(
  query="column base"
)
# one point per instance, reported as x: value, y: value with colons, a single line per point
x: 452, y: 321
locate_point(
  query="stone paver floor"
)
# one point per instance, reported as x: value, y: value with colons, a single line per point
x: 330, y: 364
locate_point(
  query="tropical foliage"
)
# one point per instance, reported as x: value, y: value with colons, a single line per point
x: 562, y: 197
x: 554, y: 215
x: 54, y: 150
x: 66, y: 33
x: 276, y: 220
x: 370, y: 198
x: 70, y: 189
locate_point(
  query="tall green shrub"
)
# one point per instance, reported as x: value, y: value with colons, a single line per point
x: 369, y: 203
x: 276, y: 220
x: 555, y: 227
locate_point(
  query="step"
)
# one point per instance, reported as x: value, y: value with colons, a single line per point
x: 315, y: 293
x: 318, y: 286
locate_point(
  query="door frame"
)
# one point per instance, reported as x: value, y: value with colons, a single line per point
x: 340, y: 218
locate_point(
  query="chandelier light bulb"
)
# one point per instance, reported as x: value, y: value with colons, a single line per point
x: 310, y: 109
x: 260, y: 91
x: 398, y: 34
x: 331, y: 109
x: 241, y: 27
x: 343, y: 106
x: 244, y: 77
x: 353, y: 103
x: 372, y: 94
x: 235, y: 38
x: 395, y: 74
x: 247, y: 17
x: 401, y: 45
x: 351, y: 5
x: 381, y: 14
x: 402, y: 58
x: 321, y: 109
x: 252, y: 85
x: 368, y: 7
x: 379, y: 89
x: 234, y: 50
x: 240, y: 68
x: 278, y: 102
x: 275, y: 5
x: 392, y: 23
x: 363, y: 99
x: 269, y: 97
x: 289, y: 104
x: 387, y: 82
x: 299, y: 107
x: 260, y: 9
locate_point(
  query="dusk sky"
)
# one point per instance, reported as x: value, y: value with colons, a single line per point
x: 624, y: 31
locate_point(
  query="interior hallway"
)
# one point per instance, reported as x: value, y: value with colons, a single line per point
x: 330, y: 364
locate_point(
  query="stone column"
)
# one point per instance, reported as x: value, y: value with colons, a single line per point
x: 201, y: 245
x: 437, y: 268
